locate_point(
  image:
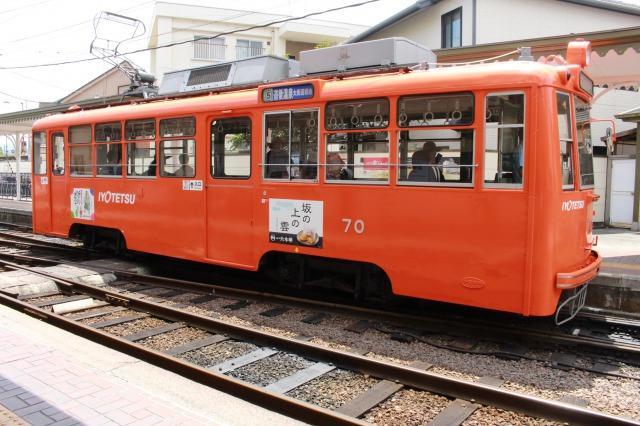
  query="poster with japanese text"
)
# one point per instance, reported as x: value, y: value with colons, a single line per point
x: 82, y: 204
x: 296, y: 222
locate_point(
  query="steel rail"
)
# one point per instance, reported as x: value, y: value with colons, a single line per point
x: 285, y: 405
x: 409, y: 376
x: 8, y: 238
x: 26, y: 228
x: 504, y: 330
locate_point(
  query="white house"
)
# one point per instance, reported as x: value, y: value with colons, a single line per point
x: 197, y: 35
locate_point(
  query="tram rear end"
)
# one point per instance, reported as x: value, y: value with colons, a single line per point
x: 568, y: 209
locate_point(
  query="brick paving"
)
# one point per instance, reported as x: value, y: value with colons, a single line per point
x: 43, y: 386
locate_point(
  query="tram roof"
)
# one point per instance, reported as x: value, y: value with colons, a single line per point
x: 491, y: 76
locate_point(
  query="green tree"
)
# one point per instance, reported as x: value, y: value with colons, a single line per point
x: 324, y: 43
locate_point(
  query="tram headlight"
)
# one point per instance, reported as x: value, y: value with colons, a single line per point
x: 579, y: 52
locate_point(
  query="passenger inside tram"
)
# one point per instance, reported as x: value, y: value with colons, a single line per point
x: 277, y: 159
x: 185, y: 170
x: 425, y: 167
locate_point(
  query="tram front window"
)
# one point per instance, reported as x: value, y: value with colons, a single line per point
x: 585, y: 145
x: 566, y: 141
x: 504, y: 140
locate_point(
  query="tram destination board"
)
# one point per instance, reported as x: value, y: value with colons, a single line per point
x: 288, y: 93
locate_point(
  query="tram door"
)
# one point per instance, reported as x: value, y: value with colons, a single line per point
x: 229, y: 191
x: 58, y: 184
x: 41, y: 183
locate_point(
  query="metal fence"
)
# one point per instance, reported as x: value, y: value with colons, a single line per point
x: 9, y: 186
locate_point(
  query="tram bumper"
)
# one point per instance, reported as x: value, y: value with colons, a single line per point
x: 569, y: 280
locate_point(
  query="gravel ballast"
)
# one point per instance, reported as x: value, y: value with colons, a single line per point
x: 333, y: 389
x: 215, y: 354
x: 171, y: 339
x: 271, y: 369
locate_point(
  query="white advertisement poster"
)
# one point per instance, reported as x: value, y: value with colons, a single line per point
x: 82, y: 204
x: 296, y: 222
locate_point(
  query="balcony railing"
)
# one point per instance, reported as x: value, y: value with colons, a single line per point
x: 243, y: 52
x: 9, y: 188
x: 203, y: 49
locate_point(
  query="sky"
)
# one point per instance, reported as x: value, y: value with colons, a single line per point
x: 46, y: 31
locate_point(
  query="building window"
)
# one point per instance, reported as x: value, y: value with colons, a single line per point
x: 210, y: 49
x: 248, y: 49
x: 452, y: 29
x: 566, y: 142
x: 231, y: 148
x: 504, y: 140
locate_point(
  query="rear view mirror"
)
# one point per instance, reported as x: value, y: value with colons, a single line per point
x: 609, y: 139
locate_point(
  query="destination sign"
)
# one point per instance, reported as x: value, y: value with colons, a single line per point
x: 288, y: 93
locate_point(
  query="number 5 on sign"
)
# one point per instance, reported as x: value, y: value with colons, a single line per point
x: 358, y: 225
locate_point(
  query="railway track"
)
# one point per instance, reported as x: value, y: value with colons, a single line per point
x: 601, y: 334
x: 113, y: 317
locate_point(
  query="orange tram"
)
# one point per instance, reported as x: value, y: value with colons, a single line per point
x: 471, y: 184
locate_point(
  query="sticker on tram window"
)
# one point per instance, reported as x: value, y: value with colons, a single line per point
x: 44, y: 180
x: 296, y: 222
x: 287, y: 93
x: 82, y: 204
x: 192, y: 185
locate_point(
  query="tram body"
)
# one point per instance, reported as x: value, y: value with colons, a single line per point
x: 507, y: 225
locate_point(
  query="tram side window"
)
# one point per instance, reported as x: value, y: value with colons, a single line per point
x: 108, y: 149
x: 585, y: 145
x: 231, y: 148
x: 566, y: 142
x: 108, y: 132
x: 40, y: 153
x: 57, y: 167
x: 291, y: 145
x: 141, y: 159
x: 436, y: 156
x: 504, y: 140
x: 80, y: 163
x: 178, y: 158
x: 140, y: 129
x: 357, y: 114
x: 435, y: 110
x: 109, y: 159
x: 358, y: 156
x: 175, y: 127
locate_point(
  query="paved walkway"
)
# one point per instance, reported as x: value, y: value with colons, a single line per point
x: 24, y: 206
x: 620, y: 251
x: 51, y: 377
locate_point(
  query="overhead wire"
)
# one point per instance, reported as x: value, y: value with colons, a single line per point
x: 78, y: 24
x: 279, y: 21
x: 23, y: 7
